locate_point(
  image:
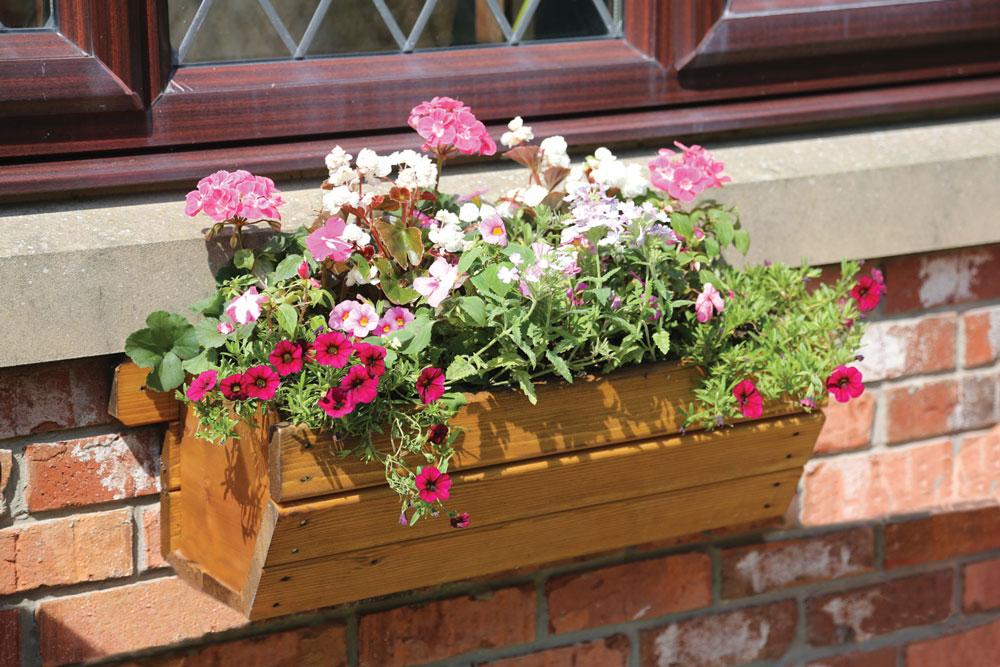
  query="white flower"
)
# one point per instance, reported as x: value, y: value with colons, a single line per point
x: 507, y: 275
x: 415, y: 170
x: 449, y: 238
x: 602, y: 154
x: 554, y: 152
x: 354, y: 277
x: 516, y: 259
x: 335, y: 199
x: 343, y: 175
x: 519, y: 133
x: 469, y: 212
x: 534, y: 195
x: 371, y: 164
x: 355, y: 234
x: 337, y: 158
x: 448, y: 218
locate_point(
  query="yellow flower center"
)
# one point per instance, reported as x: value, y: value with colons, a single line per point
x: 497, y: 231
x: 400, y: 321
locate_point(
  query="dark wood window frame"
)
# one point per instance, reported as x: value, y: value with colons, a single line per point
x: 97, y: 105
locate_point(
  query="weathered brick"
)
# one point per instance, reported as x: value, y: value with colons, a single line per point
x: 908, y: 347
x: 848, y: 425
x: 629, y: 592
x: 151, y: 538
x: 88, y: 547
x: 10, y: 638
x: 977, y: 467
x: 319, y: 646
x: 981, y: 586
x: 730, y: 638
x: 611, y: 651
x: 865, y: 486
x: 768, y: 567
x: 6, y: 466
x: 859, y: 614
x: 437, y: 630
x: 979, y: 647
x: 921, y: 411
x: 885, y: 657
x: 942, y: 536
x: 976, y: 402
x: 50, y: 397
x: 93, y: 470
x: 127, y: 618
x: 982, y: 336
x: 917, y: 282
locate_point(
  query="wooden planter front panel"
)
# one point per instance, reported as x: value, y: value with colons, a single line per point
x: 273, y: 523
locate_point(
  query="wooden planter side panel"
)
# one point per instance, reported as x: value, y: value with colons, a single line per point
x: 560, y: 482
x: 133, y: 404
x: 170, y: 488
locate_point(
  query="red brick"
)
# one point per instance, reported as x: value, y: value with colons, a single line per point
x: 8, y: 561
x: 862, y: 613
x: 127, y: 618
x: 10, y: 638
x: 853, y: 487
x: 908, y: 347
x: 942, y: 536
x: 921, y: 411
x: 976, y: 402
x: 982, y: 336
x: 977, y: 467
x: 981, y: 586
x: 6, y: 465
x: 93, y: 470
x: 769, y: 567
x: 917, y: 282
x: 151, y: 538
x: 89, y: 547
x: 979, y: 647
x: 730, y: 638
x: 885, y: 657
x: 320, y: 646
x: 848, y: 425
x: 629, y: 592
x: 56, y: 396
x: 437, y: 630
x: 609, y: 652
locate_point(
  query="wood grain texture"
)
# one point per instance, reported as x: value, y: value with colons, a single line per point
x: 134, y: 404
x: 475, y: 552
x: 170, y: 453
x: 554, y: 483
x: 170, y: 522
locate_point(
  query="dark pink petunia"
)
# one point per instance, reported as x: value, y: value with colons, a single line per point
x: 430, y: 384
x: 433, y: 484
x: 201, y: 385
x: 234, y: 387
x: 749, y: 399
x: 332, y: 349
x: 286, y: 357
x: 337, y: 402
x: 460, y: 520
x: 868, y: 292
x: 360, y: 385
x: 372, y: 356
x: 261, y: 382
x: 438, y: 433
x: 845, y: 383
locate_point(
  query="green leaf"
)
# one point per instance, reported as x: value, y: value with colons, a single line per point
x: 243, y: 259
x: 741, y: 240
x: 288, y: 267
x: 167, y: 374
x: 203, y: 362
x: 709, y: 277
x: 208, y: 333
x: 288, y: 318
x: 495, y: 285
x: 711, y: 247
x: 475, y: 308
x: 662, y: 340
x: 682, y: 225
x: 404, y: 243
x: 416, y: 335
x: 212, y: 306
x: 524, y: 381
x: 389, y: 282
x: 468, y: 257
x: 165, y: 332
x: 723, y: 225
x: 560, y: 365
x: 459, y: 369
x: 142, y: 348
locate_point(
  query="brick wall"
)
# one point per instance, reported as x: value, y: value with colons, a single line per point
x: 889, y: 556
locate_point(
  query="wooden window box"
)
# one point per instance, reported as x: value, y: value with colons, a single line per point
x: 275, y: 523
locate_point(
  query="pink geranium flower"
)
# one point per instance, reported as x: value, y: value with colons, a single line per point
x: 433, y: 484
x: 430, y: 384
x: 493, y: 231
x: 332, y: 349
x: 445, y: 123
x: 286, y: 357
x: 685, y: 177
x: 327, y: 242
x: 201, y: 385
x: 246, y: 308
x: 337, y: 402
x: 460, y: 520
x: 845, y: 383
x: 372, y: 356
x: 223, y: 196
x: 261, y: 382
x: 233, y: 387
x: 439, y: 283
x: 708, y: 302
x: 749, y: 399
x: 360, y: 385
x: 868, y: 292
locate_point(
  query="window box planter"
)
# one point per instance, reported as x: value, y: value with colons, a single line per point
x: 275, y: 522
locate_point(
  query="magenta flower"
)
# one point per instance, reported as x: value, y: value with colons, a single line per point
x: 360, y: 385
x: 868, y: 292
x: 246, y: 308
x: 460, y: 520
x: 286, y: 357
x: 493, y: 231
x: 438, y: 433
x: 706, y: 301
x: 394, y: 319
x: 261, y: 382
x: 201, y: 385
x: 439, y: 283
x: 430, y: 384
x: 234, y: 387
x: 332, y: 349
x: 749, y: 399
x: 845, y: 383
x: 303, y: 270
x: 808, y: 402
x: 327, y: 242
x: 433, y: 484
x: 373, y: 358
x: 337, y: 402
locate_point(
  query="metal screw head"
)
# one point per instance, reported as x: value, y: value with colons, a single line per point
x: 295, y: 550
x: 305, y: 479
x: 303, y: 522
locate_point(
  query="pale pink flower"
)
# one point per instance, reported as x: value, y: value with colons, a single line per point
x: 225, y: 328
x: 493, y: 231
x: 445, y: 123
x: 361, y: 320
x: 327, y: 242
x: 439, y: 283
x: 246, y: 308
x: 685, y: 177
x: 706, y: 301
x: 225, y: 195
x: 394, y: 319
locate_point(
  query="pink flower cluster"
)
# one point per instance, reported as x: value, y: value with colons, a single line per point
x: 224, y: 196
x: 685, y: 178
x: 445, y: 123
x: 868, y: 292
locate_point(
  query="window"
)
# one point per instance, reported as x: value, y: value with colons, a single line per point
x: 104, y: 102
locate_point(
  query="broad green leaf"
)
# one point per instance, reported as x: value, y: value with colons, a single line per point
x: 404, y: 243
x: 288, y: 267
x: 709, y: 277
x: 560, y: 365
x: 203, y: 362
x: 494, y: 284
x: 524, y: 381
x: 475, y: 308
x: 468, y: 257
x: 723, y: 227
x: 389, y: 281
x: 243, y: 259
x: 165, y: 332
x: 682, y: 225
x: 208, y: 333
x: 711, y: 247
x: 741, y: 240
x: 459, y: 369
x: 167, y: 374
x: 288, y: 318
x: 142, y: 348
x: 662, y: 340
x: 212, y: 306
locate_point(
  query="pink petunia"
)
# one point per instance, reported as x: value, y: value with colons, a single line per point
x: 430, y: 384
x: 261, y: 382
x: 201, y: 385
x: 493, y: 231
x: 246, y: 308
x: 360, y: 385
x: 225, y: 328
x: 331, y: 349
x: 286, y: 357
x: 708, y: 300
x: 437, y: 434
x: 460, y: 520
x: 337, y: 402
x: 327, y: 242
x: 372, y: 356
x: 233, y: 387
x: 868, y: 291
x: 845, y: 383
x: 750, y: 402
x: 439, y: 283
x: 433, y: 484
